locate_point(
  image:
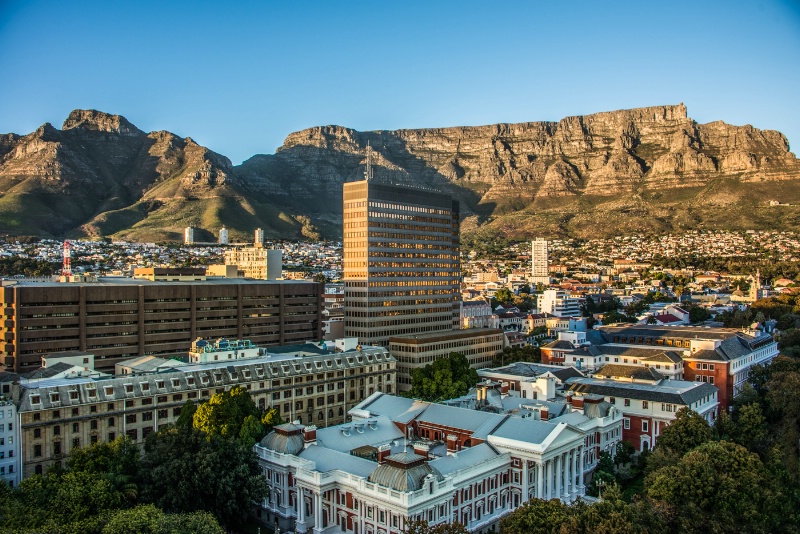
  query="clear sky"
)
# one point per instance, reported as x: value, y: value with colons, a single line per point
x: 240, y: 76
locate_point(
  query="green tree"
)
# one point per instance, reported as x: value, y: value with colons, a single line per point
x: 271, y: 418
x: 443, y: 379
x: 687, y: 431
x: 716, y: 487
x: 147, y: 519
x: 185, y: 471
x: 698, y: 314
x: 536, y: 516
x: 225, y: 413
x: 420, y: 526
x: 504, y: 296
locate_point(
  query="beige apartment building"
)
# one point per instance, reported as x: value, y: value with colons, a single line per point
x: 256, y: 262
x: 57, y: 415
x: 401, y: 261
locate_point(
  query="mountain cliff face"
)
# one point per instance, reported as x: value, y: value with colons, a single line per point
x: 648, y: 169
x: 642, y: 170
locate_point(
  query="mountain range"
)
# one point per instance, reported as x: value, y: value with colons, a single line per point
x: 648, y: 170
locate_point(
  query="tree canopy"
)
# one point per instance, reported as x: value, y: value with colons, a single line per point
x: 446, y: 378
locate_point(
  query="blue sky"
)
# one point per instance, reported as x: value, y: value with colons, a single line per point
x: 238, y: 78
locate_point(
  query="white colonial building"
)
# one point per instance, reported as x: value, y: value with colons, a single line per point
x: 401, y: 459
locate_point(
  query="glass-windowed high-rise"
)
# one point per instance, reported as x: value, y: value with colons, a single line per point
x: 401, y: 261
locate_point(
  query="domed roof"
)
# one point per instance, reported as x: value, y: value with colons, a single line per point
x: 404, y: 472
x: 286, y: 439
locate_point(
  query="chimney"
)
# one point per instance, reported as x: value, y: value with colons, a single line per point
x: 383, y: 452
x: 504, y: 388
x: 544, y: 413
x: 310, y: 434
x: 577, y: 403
x: 421, y: 449
x: 452, y: 444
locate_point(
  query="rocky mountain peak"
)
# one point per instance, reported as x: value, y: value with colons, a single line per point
x: 98, y: 121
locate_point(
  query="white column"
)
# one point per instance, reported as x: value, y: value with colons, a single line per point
x: 301, y: 510
x: 557, y: 468
x: 581, y: 488
x: 525, y: 479
x: 539, y: 480
x: 318, y: 511
x: 576, y: 458
x: 567, y: 477
x: 549, y: 481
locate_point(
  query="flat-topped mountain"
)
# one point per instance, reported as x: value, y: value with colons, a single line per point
x: 643, y: 170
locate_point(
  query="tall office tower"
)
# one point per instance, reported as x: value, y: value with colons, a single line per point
x: 402, y: 268
x: 259, y: 238
x: 223, y: 236
x: 188, y: 235
x: 540, y: 273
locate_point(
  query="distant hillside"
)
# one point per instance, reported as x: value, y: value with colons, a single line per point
x: 647, y: 170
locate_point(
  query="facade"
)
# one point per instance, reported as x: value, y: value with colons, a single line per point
x: 647, y: 408
x: 540, y: 271
x: 401, y: 459
x: 401, y: 260
x: 477, y: 314
x: 188, y: 235
x: 117, y: 318
x: 478, y: 345
x: 559, y: 303
x: 10, y: 464
x: 223, y: 236
x: 304, y: 383
x: 256, y: 262
x: 258, y: 237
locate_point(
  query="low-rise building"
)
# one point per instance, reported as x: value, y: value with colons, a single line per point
x: 648, y: 407
x: 304, y: 383
x: 478, y: 345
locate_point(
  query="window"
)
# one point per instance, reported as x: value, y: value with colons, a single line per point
x: 76, y: 443
x: 147, y: 416
x: 612, y: 400
x: 644, y: 405
x: 645, y: 426
x: 627, y: 402
x: 76, y: 427
x: 37, y: 450
x: 111, y: 423
x: 37, y: 432
x: 710, y: 379
x: 112, y: 436
x: 711, y: 367
x: 93, y: 424
x: 130, y: 418
x: 56, y: 430
x: 626, y: 423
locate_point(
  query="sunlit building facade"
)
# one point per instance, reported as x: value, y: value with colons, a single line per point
x: 401, y: 261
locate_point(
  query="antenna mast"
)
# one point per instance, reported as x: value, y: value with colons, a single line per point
x: 368, y: 170
x: 66, y: 270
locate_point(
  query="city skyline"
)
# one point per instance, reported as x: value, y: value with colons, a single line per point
x: 240, y: 78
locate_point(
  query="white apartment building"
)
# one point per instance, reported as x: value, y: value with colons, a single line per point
x: 559, y: 303
x: 540, y: 273
x: 10, y: 466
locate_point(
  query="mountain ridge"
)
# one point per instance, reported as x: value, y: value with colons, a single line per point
x: 650, y: 169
